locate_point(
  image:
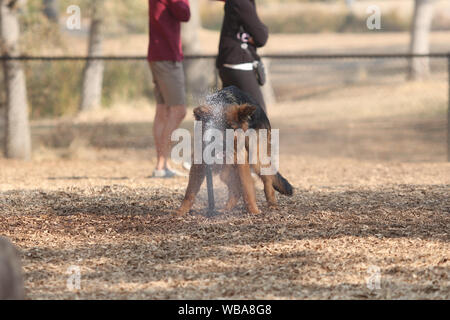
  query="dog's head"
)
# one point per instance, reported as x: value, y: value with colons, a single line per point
x: 231, y: 117
x: 238, y: 116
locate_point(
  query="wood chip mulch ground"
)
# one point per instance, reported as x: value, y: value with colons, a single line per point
x: 349, y: 223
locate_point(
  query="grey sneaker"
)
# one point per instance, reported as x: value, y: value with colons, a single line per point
x: 167, y: 173
x: 159, y: 173
x: 170, y: 173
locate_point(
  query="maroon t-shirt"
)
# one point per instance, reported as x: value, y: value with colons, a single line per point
x: 165, y: 28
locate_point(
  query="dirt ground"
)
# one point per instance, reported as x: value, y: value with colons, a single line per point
x: 371, y: 193
x: 113, y: 222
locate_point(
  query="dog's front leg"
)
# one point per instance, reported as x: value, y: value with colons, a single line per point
x: 248, y: 187
x: 196, y: 177
x: 230, y: 177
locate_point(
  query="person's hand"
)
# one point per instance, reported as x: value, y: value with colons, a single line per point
x: 251, y: 41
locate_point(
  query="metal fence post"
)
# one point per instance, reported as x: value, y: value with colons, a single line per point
x: 210, y: 189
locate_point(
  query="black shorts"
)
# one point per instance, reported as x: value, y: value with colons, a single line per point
x: 244, y: 80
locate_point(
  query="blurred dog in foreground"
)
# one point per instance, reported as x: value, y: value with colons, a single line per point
x: 231, y: 108
x: 11, y: 280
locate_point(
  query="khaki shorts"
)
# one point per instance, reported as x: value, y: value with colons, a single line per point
x: 168, y: 77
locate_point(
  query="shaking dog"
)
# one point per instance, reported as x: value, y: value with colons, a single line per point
x: 232, y: 108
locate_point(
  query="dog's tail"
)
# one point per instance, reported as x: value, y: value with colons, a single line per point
x: 282, y: 185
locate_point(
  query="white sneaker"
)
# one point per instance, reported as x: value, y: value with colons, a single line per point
x: 187, y: 165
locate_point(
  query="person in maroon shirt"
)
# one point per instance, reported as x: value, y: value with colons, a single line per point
x: 165, y: 56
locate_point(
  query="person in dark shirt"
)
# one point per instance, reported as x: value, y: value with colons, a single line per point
x: 165, y: 56
x: 242, y: 33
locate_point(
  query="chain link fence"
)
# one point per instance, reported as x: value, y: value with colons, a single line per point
x: 353, y: 106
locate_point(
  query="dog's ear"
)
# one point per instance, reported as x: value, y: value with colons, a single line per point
x: 245, y: 111
x: 202, y: 113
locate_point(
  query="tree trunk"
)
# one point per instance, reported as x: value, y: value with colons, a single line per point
x: 11, y: 281
x: 420, y: 43
x: 17, y: 133
x: 51, y: 10
x: 91, y: 94
x: 198, y: 72
x: 2, y: 111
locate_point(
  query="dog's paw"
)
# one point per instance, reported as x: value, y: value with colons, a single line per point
x: 184, y: 208
x: 180, y: 212
x: 230, y: 205
x: 272, y: 205
x: 254, y: 210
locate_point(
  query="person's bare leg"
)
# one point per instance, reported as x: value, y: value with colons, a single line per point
x: 176, y: 115
x: 159, y: 124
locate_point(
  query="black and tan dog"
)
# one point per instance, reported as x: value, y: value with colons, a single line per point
x: 231, y: 108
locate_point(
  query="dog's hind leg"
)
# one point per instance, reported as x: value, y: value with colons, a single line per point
x: 230, y: 177
x: 196, y: 177
x: 269, y: 191
x: 248, y: 187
